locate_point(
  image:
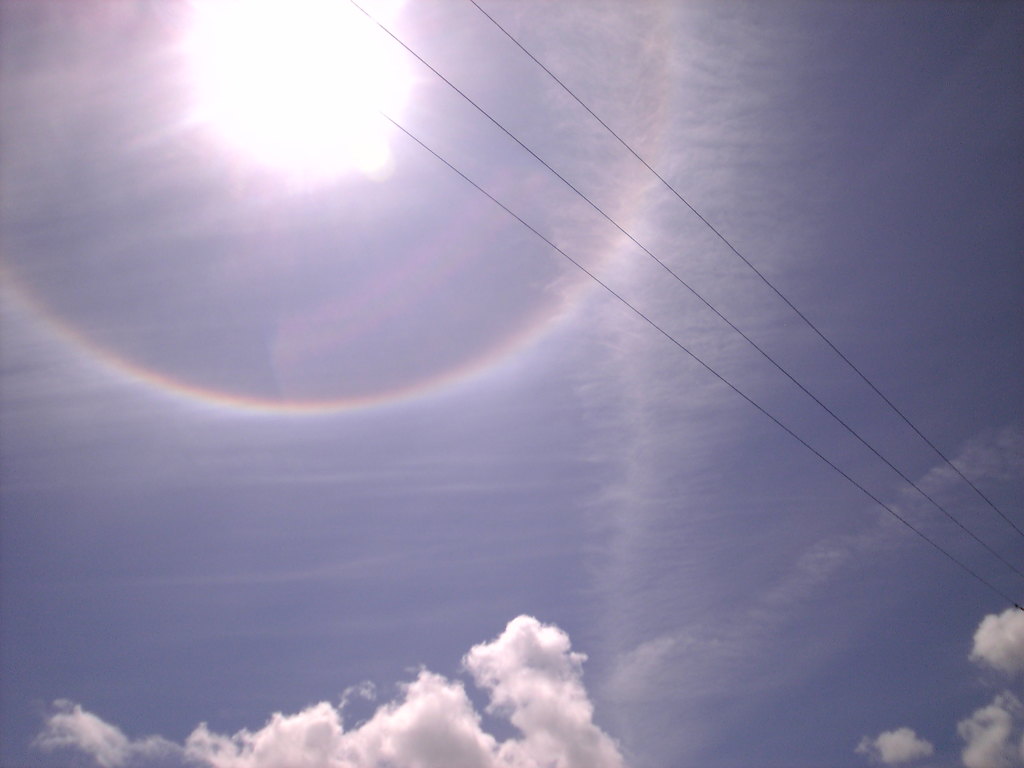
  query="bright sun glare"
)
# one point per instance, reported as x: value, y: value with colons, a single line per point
x: 297, y: 85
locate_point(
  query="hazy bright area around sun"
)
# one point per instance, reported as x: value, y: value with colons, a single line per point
x: 272, y: 242
x: 298, y: 85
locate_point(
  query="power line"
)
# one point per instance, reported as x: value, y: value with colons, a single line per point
x: 705, y: 365
x: 756, y: 271
x: 696, y: 294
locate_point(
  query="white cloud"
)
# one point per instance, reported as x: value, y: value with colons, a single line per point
x: 433, y: 725
x: 999, y: 641
x: 72, y: 727
x: 893, y: 747
x: 993, y: 734
x: 989, y: 734
x: 533, y: 677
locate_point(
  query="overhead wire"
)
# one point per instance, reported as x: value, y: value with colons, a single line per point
x: 696, y: 294
x: 755, y: 270
x: 660, y: 329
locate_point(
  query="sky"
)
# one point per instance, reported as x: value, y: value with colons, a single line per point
x: 311, y: 454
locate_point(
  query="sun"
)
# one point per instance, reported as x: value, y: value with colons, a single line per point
x: 297, y: 85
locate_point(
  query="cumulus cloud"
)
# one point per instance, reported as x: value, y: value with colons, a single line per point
x: 894, y: 747
x: 993, y: 734
x: 530, y: 671
x: 536, y: 680
x: 70, y: 726
x: 990, y: 735
x: 999, y: 641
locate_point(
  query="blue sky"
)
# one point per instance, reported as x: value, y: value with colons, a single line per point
x: 350, y: 467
